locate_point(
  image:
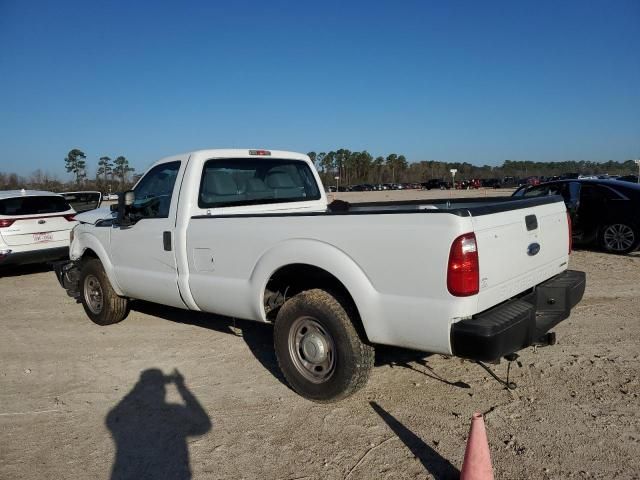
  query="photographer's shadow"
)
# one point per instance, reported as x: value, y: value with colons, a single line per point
x: 151, y: 434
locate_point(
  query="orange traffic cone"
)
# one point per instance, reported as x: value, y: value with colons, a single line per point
x: 477, y: 460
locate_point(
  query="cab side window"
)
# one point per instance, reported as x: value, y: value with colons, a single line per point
x: 155, y: 190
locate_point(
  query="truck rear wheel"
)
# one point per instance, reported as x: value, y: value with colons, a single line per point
x: 101, y: 303
x: 318, y: 348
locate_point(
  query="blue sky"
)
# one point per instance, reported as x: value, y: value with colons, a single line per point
x: 448, y: 80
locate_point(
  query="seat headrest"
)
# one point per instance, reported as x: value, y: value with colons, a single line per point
x: 280, y: 180
x: 255, y: 185
x: 220, y: 183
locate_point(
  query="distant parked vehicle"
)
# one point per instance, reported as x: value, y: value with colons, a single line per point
x: 491, y: 182
x: 603, y: 212
x: 435, y: 183
x: 361, y: 188
x: 530, y: 181
x: 629, y: 178
x: 533, y: 181
x: 467, y: 184
x: 570, y: 176
x: 509, y: 182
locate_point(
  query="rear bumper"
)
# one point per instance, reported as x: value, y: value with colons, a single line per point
x: 9, y: 257
x: 518, y: 323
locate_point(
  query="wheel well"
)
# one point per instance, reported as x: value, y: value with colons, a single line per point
x: 88, y: 253
x: 295, y: 278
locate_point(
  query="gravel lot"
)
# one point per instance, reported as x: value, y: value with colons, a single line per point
x: 71, y: 392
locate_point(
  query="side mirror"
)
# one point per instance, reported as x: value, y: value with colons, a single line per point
x: 125, y: 200
x: 129, y: 198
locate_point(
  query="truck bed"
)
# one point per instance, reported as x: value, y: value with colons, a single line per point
x: 462, y: 207
x: 392, y: 259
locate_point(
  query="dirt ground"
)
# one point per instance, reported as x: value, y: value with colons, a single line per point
x: 80, y: 401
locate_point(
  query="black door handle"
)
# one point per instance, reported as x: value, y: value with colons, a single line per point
x: 166, y: 241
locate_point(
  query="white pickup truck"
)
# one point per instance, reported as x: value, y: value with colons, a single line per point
x: 248, y: 234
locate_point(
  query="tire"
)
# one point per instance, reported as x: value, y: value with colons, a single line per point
x: 318, y: 348
x: 101, y: 303
x: 619, y: 237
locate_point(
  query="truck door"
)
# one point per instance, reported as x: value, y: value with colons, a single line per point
x: 143, y: 253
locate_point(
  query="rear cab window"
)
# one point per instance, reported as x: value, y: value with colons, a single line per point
x: 31, y: 205
x: 254, y: 181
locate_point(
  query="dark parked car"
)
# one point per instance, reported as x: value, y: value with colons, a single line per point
x: 361, y: 188
x: 509, y: 182
x: 491, y: 182
x: 629, y: 178
x: 435, y: 183
x: 603, y: 212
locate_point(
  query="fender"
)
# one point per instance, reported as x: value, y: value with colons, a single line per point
x: 86, y: 241
x: 321, y: 255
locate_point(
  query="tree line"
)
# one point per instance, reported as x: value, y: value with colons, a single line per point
x: 361, y: 167
x: 352, y: 167
x: 111, y: 175
x: 107, y: 173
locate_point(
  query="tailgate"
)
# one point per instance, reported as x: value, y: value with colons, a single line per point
x: 43, y: 229
x: 519, y: 249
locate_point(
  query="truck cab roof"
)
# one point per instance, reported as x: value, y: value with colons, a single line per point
x: 231, y: 153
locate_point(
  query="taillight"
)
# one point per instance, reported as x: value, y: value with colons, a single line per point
x: 71, y: 217
x: 463, y: 271
x: 570, y: 233
x: 6, y: 222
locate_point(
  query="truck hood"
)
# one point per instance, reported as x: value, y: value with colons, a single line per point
x: 93, y: 216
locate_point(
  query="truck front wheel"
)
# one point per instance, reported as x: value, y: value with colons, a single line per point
x: 101, y: 303
x: 318, y: 348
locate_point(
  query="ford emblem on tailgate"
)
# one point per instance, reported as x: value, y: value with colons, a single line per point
x: 533, y: 249
x: 42, y: 221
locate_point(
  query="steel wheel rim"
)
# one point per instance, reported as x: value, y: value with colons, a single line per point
x: 93, y: 294
x: 619, y: 237
x: 311, y: 349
